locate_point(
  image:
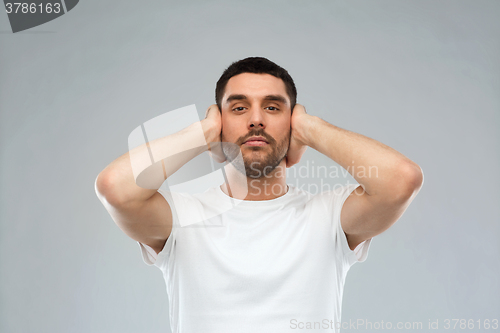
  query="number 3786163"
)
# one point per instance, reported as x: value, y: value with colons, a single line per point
x: 32, y: 8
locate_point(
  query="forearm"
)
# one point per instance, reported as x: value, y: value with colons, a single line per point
x: 137, y: 175
x: 380, y: 169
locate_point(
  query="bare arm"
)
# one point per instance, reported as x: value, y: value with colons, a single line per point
x: 140, y: 211
x: 389, y: 180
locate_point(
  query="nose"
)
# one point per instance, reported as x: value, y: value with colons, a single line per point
x: 256, y: 119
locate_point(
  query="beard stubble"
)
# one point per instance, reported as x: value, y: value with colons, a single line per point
x: 255, y: 165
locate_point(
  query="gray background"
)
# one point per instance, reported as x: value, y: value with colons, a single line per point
x: 419, y: 76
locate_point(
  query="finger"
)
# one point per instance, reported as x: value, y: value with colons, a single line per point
x: 299, y: 108
x: 294, y: 154
x: 208, y: 110
x: 216, y: 152
x: 291, y: 154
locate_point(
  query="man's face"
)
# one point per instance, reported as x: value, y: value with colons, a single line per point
x: 256, y: 106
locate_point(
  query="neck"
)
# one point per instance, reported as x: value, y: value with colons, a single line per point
x: 268, y: 187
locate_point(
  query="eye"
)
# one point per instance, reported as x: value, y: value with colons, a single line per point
x: 238, y: 109
x: 272, y: 108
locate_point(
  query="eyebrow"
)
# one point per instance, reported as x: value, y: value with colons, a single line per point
x: 277, y: 98
x: 235, y: 97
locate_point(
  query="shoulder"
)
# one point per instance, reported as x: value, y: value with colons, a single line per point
x: 331, y: 198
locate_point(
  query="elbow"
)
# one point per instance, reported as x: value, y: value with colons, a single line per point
x: 415, y: 177
x: 105, y: 189
x: 101, y: 186
x: 409, y: 182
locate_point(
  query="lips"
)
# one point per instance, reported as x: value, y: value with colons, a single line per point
x: 256, y: 139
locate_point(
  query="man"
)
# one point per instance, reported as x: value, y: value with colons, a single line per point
x: 276, y: 260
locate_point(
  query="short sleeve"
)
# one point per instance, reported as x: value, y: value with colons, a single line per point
x: 360, y: 253
x: 149, y: 256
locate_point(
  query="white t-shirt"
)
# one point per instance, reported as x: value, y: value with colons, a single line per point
x: 255, y: 266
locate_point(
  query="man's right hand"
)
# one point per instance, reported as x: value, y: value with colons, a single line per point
x: 212, y: 128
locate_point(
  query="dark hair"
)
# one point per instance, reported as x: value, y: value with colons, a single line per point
x: 257, y: 65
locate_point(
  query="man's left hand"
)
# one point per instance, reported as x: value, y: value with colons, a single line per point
x: 298, y: 140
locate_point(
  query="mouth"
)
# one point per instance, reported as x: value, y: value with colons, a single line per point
x: 256, y: 141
